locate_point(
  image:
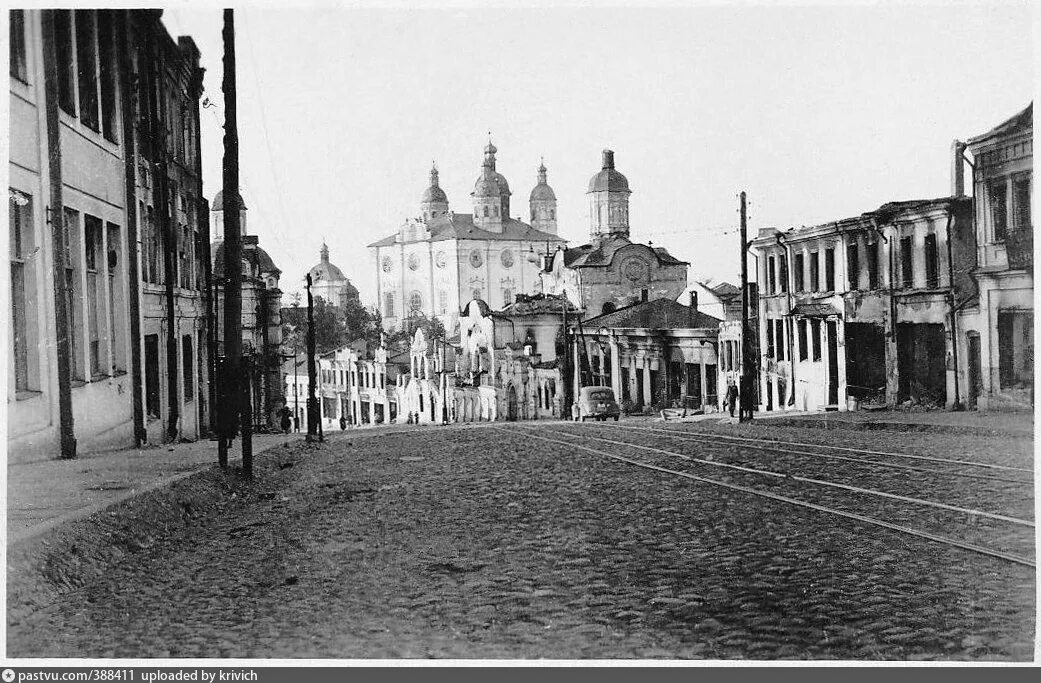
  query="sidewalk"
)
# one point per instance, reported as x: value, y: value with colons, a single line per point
x: 46, y: 494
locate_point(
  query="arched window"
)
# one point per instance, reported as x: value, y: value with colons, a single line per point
x: 495, y: 210
x: 486, y: 212
x: 388, y: 305
x: 552, y: 214
x: 415, y: 301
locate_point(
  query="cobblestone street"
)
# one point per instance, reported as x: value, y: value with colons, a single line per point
x: 523, y: 541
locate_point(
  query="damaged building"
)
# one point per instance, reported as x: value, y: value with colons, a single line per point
x: 862, y: 310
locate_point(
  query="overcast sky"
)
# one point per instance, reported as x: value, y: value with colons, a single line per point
x: 818, y: 113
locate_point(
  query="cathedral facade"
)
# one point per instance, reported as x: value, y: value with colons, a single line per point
x: 440, y: 260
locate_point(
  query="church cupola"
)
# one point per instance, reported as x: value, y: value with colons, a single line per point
x: 434, y: 203
x: 543, y: 203
x: 608, y: 201
x: 491, y: 195
x: 217, y: 209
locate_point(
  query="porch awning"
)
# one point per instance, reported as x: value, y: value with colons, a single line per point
x: 814, y: 310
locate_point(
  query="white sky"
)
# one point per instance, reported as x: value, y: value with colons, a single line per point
x: 818, y: 113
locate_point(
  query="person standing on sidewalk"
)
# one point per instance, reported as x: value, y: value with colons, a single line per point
x: 731, y: 398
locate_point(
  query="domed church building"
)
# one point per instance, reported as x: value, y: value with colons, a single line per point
x: 611, y: 271
x: 440, y: 260
x: 329, y: 282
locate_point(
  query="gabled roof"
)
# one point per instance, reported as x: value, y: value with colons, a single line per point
x: 460, y: 226
x: 602, y: 253
x: 725, y: 289
x: 660, y: 314
x: 1022, y: 121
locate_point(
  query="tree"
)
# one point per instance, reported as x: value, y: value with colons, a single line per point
x: 334, y: 326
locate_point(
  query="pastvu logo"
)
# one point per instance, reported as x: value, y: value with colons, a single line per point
x: 8, y: 675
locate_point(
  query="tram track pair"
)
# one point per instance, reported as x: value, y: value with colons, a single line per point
x: 1010, y: 557
x: 775, y: 445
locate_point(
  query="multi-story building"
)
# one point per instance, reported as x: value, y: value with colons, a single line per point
x: 104, y: 125
x: 863, y: 307
x: 173, y: 225
x: 439, y: 261
x: 611, y: 271
x: 997, y: 326
x: 261, y: 315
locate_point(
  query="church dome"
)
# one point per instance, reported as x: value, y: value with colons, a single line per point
x: 325, y: 271
x: 488, y: 186
x: 434, y: 194
x: 218, y: 202
x: 608, y: 179
x: 542, y: 190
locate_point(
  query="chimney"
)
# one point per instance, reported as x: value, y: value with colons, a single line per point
x: 693, y: 307
x: 608, y: 159
x: 958, y: 168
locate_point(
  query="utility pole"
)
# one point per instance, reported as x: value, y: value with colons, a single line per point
x: 312, y: 374
x: 746, y: 340
x: 235, y: 388
x: 56, y: 218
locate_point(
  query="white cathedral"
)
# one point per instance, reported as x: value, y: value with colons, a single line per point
x: 436, y: 263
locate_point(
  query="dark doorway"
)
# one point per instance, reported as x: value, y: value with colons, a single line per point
x: 693, y: 390
x: 511, y: 407
x: 639, y: 387
x: 975, y: 371
x: 152, y: 375
x: 833, y: 362
x: 865, y: 361
x: 921, y: 361
x: 1016, y: 349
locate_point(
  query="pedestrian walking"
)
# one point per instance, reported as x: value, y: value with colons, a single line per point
x: 343, y: 423
x: 296, y: 423
x: 285, y: 423
x: 731, y: 397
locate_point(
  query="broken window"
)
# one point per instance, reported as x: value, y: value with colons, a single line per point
x: 86, y: 61
x: 1021, y: 202
x: 873, y: 254
x: 829, y: 270
x: 18, y: 63
x: 783, y: 274
x: 815, y: 272
x: 1016, y: 348
x: 803, y: 351
x: 771, y: 283
x: 799, y: 274
x: 853, y: 266
x: 932, y: 261
x: 906, y: 261
x: 999, y: 210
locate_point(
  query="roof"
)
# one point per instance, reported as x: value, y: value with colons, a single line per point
x: 608, y: 178
x: 1022, y: 121
x: 543, y: 192
x: 658, y: 314
x: 602, y: 253
x: 725, y: 289
x: 218, y: 202
x: 252, y: 253
x: 460, y: 226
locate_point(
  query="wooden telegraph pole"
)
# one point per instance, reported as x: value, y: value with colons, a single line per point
x: 235, y: 388
x: 312, y: 373
x: 746, y: 338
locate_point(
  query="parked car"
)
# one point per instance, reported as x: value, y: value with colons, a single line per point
x: 598, y: 403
